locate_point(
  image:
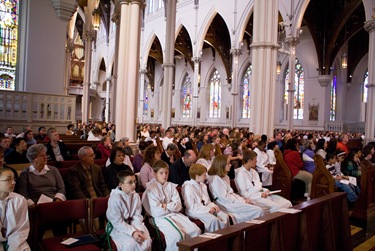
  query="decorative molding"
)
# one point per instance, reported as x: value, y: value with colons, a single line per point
x: 324, y: 80
x: 65, y: 8
x: 196, y: 59
x: 235, y: 52
x: 292, y: 41
x: 370, y: 26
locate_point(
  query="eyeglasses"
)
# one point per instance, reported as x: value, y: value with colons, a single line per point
x: 9, y: 180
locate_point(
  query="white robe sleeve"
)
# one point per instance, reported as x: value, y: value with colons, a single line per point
x: 193, y: 201
x: 18, y: 224
x: 244, y: 186
x: 116, y: 212
x: 221, y: 192
x: 137, y: 211
x: 262, y: 160
x: 174, y: 204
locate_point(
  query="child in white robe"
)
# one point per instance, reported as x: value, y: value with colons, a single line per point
x: 249, y: 186
x: 162, y: 202
x: 197, y: 202
x: 124, y: 212
x: 237, y: 207
x: 14, y: 217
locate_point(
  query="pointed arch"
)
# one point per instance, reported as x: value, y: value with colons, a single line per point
x: 214, y: 101
x: 245, y: 92
x: 186, y: 96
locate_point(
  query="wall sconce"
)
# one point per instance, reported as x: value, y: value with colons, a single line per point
x: 344, y: 61
x: 278, y: 67
x: 96, y: 19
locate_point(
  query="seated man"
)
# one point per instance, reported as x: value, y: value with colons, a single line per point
x: 18, y: 156
x: 42, y: 133
x: 179, y: 170
x: 169, y: 155
x: 5, y: 143
x: 56, y: 149
x: 86, y: 179
x: 9, y: 133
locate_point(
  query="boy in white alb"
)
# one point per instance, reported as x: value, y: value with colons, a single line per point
x: 197, y: 202
x: 162, y: 202
x: 249, y: 186
x: 124, y: 212
x: 14, y: 217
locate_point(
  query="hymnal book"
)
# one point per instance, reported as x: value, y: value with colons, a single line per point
x: 80, y: 240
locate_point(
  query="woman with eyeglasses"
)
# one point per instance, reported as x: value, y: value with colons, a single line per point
x: 3, y: 165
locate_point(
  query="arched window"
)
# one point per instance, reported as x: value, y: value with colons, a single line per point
x: 8, y: 43
x: 332, y: 109
x: 245, y: 92
x: 151, y: 6
x: 365, y: 89
x: 215, y: 95
x: 161, y: 4
x: 186, y: 98
x: 145, y: 98
x: 299, y: 90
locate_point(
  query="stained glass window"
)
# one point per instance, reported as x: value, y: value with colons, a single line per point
x: 245, y: 93
x: 187, y: 96
x: 8, y: 43
x: 215, y: 95
x: 299, y: 90
x: 332, y: 109
x: 365, y: 89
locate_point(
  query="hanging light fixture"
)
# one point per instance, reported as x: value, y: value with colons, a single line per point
x: 96, y: 19
x: 278, y: 67
x: 344, y: 60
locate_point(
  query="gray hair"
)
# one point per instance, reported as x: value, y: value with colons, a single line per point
x: 34, y: 150
x: 82, y: 151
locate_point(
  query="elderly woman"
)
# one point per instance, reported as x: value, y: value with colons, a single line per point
x: 104, y: 147
x: 117, y: 157
x: 40, y: 181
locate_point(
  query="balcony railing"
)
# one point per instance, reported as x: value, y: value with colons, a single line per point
x: 36, y: 107
x: 339, y: 126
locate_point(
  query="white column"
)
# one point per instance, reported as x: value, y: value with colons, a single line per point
x: 264, y: 52
x: 292, y: 42
x: 196, y: 80
x: 143, y: 71
x: 234, y: 91
x: 107, y: 99
x: 88, y: 36
x: 128, y: 67
x: 370, y: 109
x: 169, y: 66
x: 116, y: 19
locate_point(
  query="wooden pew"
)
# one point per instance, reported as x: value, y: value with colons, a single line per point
x: 364, y: 209
x: 322, y: 182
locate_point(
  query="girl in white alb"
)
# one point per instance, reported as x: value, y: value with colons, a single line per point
x: 163, y: 203
x: 249, y: 186
x: 197, y: 202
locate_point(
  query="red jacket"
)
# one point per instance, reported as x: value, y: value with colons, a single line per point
x: 293, y: 160
x: 105, y: 152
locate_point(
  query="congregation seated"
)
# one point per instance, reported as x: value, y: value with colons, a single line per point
x: 308, y: 156
x: 320, y: 148
x: 70, y: 131
x: 294, y: 162
x: 350, y: 165
x: 86, y: 178
x: 5, y: 143
x: 146, y: 174
x: 9, y: 132
x: 205, y: 156
x: 40, y: 181
x: 168, y: 155
x: 29, y: 138
x: 179, y: 170
x: 127, y: 160
x: 117, y: 157
x: 126, y: 144
x: 263, y: 167
x: 25, y: 128
x: 95, y: 135
x: 104, y: 147
x: 138, y: 159
x: 42, y: 133
x: 3, y: 164
x: 56, y: 149
x: 18, y: 155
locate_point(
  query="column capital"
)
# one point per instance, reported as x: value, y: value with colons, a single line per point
x: 116, y: 18
x: 108, y: 79
x: 324, y: 80
x: 141, y: 3
x: 143, y: 71
x: 370, y: 26
x: 196, y: 59
x: 235, y: 52
x: 292, y: 41
x: 89, y: 35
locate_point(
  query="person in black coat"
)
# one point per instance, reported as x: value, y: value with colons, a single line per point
x: 169, y: 155
x: 179, y: 170
x: 117, y: 164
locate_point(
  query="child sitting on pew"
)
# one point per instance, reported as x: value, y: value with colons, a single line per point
x: 163, y: 203
x: 249, y: 186
x: 334, y: 167
x: 239, y: 208
x: 197, y: 202
x: 124, y: 212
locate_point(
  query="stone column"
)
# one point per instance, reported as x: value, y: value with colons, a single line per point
x: 264, y: 52
x: 196, y: 61
x: 292, y: 42
x: 370, y: 108
x: 107, y: 91
x: 116, y: 19
x: 88, y: 36
x: 169, y: 66
x: 234, y: 91
x: 128, y: 68
x: 69, y: 47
